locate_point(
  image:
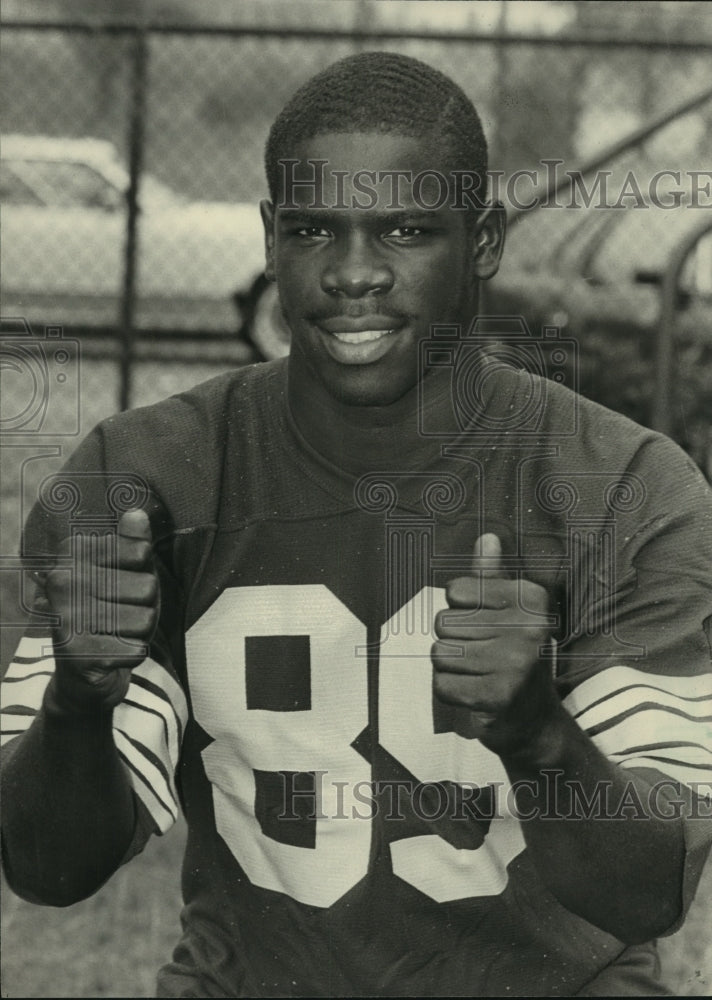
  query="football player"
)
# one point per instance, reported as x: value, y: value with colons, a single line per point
x: 415, y: 638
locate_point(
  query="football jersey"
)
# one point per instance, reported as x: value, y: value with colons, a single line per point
x: 343, y: 838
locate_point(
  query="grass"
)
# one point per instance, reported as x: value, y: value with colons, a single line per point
x: 108, y: 946
x: 113, y: 944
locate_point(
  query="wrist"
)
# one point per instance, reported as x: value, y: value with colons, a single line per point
x: 60, y: 705
x: 544, y: 747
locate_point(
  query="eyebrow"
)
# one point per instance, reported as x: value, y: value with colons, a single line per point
x: 394, y: 218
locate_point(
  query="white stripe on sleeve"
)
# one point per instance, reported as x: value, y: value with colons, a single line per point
x: 148, y: 729
x: 665, y: 721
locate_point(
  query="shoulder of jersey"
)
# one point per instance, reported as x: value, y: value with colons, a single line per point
x: 588, y: 439
x: 570, y: 419
x: 191, y: 423
x: 179, y: 444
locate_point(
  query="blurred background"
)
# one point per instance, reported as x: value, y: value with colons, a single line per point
x: 132, y: 256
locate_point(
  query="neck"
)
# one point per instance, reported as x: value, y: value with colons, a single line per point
x: 359, y: 439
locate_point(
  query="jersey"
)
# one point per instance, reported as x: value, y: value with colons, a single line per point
x: 343, y: 838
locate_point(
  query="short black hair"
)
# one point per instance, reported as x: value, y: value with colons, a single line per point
x: 381, y: 92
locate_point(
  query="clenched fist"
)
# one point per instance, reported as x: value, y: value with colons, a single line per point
x: 108, y: 609
x: 487, y: 655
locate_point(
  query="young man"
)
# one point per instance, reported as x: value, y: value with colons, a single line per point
x: 428, y: 636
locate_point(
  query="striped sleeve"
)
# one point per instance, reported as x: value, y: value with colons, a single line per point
x: 148, y: 724
x: 640, y: 719
x: 24, y: 684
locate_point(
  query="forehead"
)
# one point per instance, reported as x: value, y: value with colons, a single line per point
x: 376, y: 169
x: 375, y: 150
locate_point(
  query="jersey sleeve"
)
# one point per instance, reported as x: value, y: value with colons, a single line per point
x: 637, y: 671
x: 637, y: 674
x: 148, y: 725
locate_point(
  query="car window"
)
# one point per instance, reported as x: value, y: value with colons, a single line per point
x: 14, y: 191
x: 64, y: 184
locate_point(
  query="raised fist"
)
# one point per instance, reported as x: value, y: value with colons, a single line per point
x: 108, y: 609
x: 487, y: 655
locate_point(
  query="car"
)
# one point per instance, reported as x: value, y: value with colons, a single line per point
x: 64, y: 221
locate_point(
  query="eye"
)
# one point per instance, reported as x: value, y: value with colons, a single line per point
x: 311, y: 232
x: 406, y: 233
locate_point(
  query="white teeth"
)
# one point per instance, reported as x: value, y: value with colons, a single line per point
x: 361, y: 337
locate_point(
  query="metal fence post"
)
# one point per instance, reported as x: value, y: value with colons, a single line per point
x: 662, y: 411
x: 137, y: 117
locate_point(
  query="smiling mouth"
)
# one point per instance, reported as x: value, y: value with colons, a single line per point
x: 359, y: 340
x: 360, y: 337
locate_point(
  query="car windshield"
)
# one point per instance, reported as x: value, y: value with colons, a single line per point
x: 73, y: 184
x: 14, y: 191
x: 67, y: 184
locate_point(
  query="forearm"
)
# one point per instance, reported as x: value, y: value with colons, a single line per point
x: 68, y: 809
x: 622, y: 873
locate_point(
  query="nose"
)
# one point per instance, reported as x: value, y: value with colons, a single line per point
x: 356, y: 268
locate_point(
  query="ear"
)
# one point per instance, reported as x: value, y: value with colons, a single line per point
x: 267, y: 213
x: 489, y: 241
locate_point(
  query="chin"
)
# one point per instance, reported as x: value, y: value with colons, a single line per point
x: 362, y: 391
